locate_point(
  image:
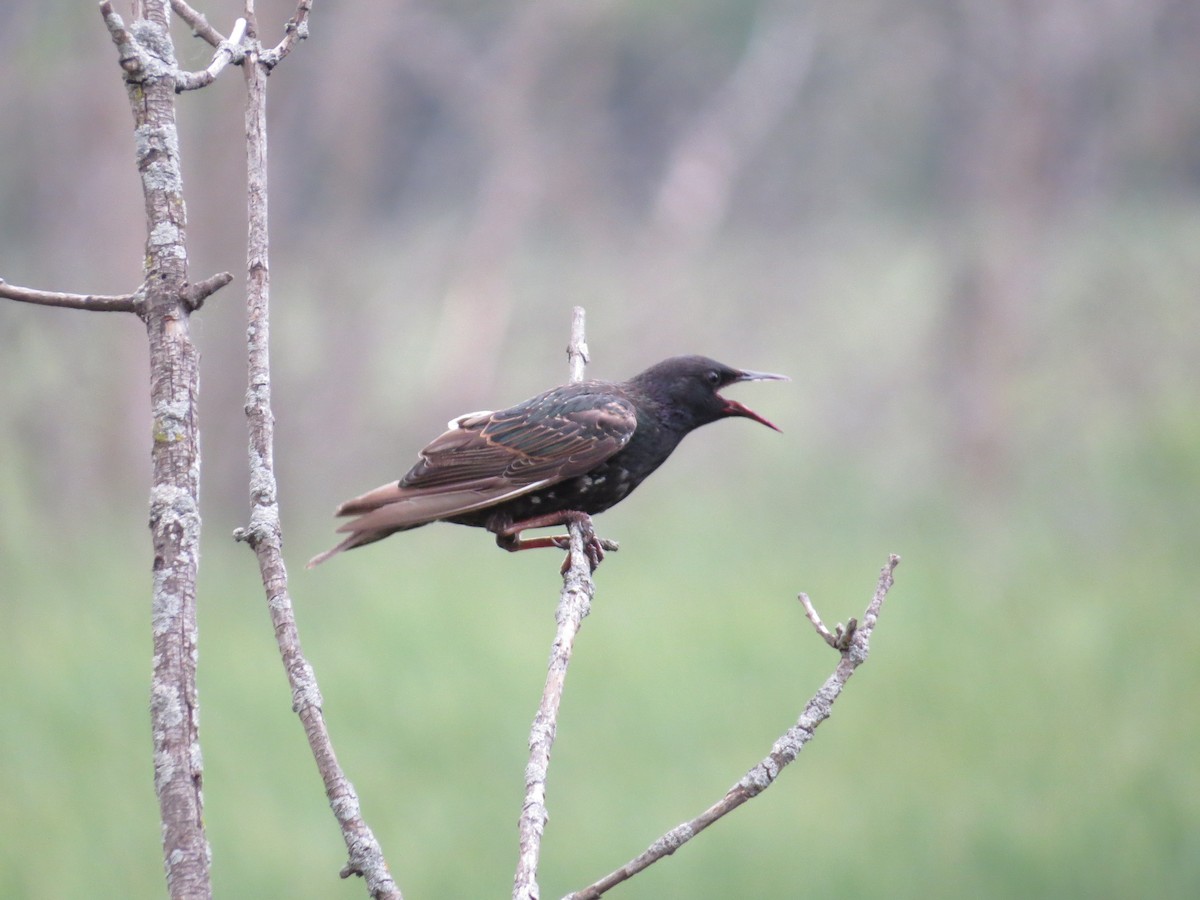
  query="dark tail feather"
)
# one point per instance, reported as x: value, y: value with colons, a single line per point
x: 354, y: 540
x: 392, y: 508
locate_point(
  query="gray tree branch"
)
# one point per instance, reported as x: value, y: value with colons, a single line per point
x: 294, y: 31
x: 853, y: 643
x: 198, y: 23
x: 147, y: 58
x: 94, y: 302
x: 193, y: 297
x: 573, y: 606
x: 227, y: 51
x: 264, y: 532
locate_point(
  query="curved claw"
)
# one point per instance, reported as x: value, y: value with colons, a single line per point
x: 509, y: 536
x: 593, y: 548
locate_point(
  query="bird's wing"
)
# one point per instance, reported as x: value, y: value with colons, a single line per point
x: 487, y: 458
x: 557, y: 435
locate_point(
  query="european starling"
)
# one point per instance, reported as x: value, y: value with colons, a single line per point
x: 557, y: 458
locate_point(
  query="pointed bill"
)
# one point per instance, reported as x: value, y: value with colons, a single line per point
x: 748, y: 375
x: 733, y: 408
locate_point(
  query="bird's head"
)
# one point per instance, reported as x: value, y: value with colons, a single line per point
x: 687, y: 387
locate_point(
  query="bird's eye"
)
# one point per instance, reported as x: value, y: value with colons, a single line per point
x: 713, y: 377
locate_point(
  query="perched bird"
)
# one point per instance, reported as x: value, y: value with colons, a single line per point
x: 555, y: 459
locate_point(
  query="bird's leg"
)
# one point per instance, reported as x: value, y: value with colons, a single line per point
x: 508, y: 535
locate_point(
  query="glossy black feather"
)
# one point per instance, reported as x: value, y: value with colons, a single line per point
x: 576, y: 448
x: 555, y: 435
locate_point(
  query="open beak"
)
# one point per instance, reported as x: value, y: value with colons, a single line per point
x: 733, y: 408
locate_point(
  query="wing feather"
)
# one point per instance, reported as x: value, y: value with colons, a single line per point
x: 557, y: 435
x: 486, y: 458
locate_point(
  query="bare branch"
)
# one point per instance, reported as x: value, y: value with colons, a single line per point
x: 840, y: 638
x: 295, y: 31
x: 198, y: 24
x: 128, y: 54
x: 94, y: 302
x: 200, y: 291
x: 264, y: 533
x: 573, y: 606
x: 194, y: 296
x: 147, y: 58
x: 577, y: 349
x: 227, y: 52
x: 786, y: 749
x: 811, y: 612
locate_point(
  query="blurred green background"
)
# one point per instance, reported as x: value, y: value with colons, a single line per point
x: 970, y: 234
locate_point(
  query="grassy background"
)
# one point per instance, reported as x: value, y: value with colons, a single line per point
x: 971, y: 238
x: 1024, y: 725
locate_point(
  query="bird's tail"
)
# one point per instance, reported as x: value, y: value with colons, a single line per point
x: 353, y: 541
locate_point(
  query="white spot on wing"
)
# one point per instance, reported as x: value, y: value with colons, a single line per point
x: 456, y: 422
x: 516, y: 492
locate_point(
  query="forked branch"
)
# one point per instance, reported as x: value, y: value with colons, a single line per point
x: 853, y: 643
x: 294, y: 31
x: 228, y: 51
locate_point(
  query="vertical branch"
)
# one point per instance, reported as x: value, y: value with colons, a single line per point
x: 264, y: 533
x: 577, y: 350
x: 574, y: 604
x: 147, y: 58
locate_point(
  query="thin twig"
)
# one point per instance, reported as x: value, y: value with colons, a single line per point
x: 264, y: 531
x: 573, y: 606
x: 839, y: 639
x: 229, y: 51
x: 194, y: 296
x: 294, y: 31
x: 811, y: 612
x: 95, y: 302
x: 200, y: 291
x: 786, y: 749
x: 199, y: 25
x: 577, y: 349
x: 129, y: 55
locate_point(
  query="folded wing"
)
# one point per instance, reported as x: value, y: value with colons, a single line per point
x: 487, y: 458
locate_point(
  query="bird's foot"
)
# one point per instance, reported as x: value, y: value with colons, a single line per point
x: 509, y: 537
x: 593, y: 547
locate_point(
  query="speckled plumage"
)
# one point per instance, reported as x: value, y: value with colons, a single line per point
x: 575, y: 449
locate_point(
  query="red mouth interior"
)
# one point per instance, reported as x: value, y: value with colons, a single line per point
x: 733, y: 408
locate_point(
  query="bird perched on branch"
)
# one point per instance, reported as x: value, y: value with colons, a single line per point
x: 557, y: 458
